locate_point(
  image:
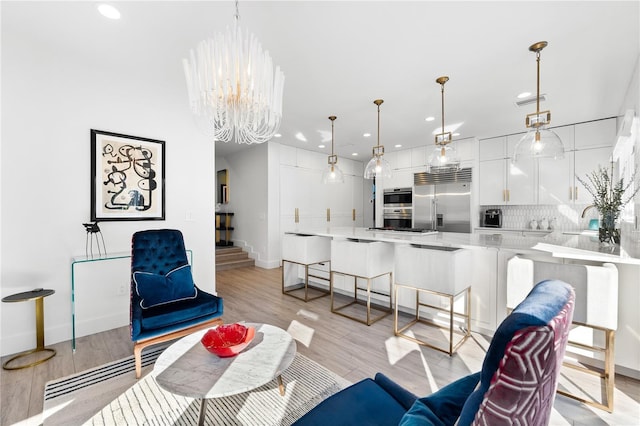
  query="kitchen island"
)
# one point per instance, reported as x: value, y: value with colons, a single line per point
x: 489, y: 262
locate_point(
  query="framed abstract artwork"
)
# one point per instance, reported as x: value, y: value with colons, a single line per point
x: 127, y: 177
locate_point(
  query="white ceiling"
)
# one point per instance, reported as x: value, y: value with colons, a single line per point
x: 339, y: 56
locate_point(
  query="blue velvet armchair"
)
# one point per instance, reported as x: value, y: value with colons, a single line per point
x: 517, y: 383
x: 165, y: 302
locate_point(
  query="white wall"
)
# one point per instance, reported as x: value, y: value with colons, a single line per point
x: 50, y: 101
x: 249, y: 193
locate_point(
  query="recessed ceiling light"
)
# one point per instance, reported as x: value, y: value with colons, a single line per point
x: 109, y: 11
x: 277, y: 135
x: 524, y: 95
x: 366, y: 135
x: 320, y: 146
x: 429, y: 119
x: 397, y: 146
x: 355, y: 154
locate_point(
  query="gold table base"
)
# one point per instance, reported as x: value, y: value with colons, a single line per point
x: 38, y: 296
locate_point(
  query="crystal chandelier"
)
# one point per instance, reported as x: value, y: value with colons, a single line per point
x: 377, y: 167
x: 233, y: 86
x: 443, y: 158
x: 538, y: 142
x: 332, y: 174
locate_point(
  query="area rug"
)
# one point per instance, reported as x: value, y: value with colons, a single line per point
x: 110, y: 395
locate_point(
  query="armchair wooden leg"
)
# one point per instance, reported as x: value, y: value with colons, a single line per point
x: 137, y: 355
x: 141, y: 344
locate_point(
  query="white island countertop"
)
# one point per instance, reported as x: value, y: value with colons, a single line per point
x: 584, y: 247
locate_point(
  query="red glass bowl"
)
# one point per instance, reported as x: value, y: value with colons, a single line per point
x: 228, y: 339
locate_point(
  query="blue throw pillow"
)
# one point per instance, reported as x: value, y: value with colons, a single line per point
x: 156, y: 289
x: 443, y: 407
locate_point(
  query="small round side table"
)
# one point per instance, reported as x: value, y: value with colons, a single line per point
x: 38, y: 295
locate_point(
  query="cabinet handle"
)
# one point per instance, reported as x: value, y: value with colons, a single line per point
x: 328, y: 215
x: 570, y: 193
x: 297, y: 215
x: 508, y: 195
x: 504, y: 195
x: 353, y: 215
x: 575, y: 193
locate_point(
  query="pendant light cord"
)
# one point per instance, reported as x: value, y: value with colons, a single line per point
x: 538, y: 85
x: 442, y: 95
x: 378, y: 125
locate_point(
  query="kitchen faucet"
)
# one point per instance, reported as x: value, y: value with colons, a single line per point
x: 590, y: 206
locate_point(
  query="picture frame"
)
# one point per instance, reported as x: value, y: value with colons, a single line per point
x: 127, y: 177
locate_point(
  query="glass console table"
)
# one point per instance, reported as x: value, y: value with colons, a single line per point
x: 77, y: 260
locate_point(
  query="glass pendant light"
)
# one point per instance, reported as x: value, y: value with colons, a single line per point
x: 538, y: 142
x: 377, y: 167
x: 332, y: 174
x: 443, y: 158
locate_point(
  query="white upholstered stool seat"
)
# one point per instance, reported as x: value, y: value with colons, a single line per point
x: 436, y: 274
x: 302, y: 251
x: 596, y: 307
x: 367, y: 261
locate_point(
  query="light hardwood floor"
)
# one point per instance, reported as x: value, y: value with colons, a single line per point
x: 350, y: 349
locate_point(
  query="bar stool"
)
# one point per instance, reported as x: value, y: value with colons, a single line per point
x: 439, y: 273
x: 596, y: 289
x: 305, y: 250
x: 364, y: 260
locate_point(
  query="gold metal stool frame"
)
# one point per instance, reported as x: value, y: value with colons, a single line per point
x: 305, y: 284
x: 451, y: 312
x: 607, y: 375
x: 38, y: 295
x: 369, y: 320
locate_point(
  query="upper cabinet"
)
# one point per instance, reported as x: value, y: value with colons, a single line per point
x: 502, y: 181
x: 595, y: 134
x: 587, y: 146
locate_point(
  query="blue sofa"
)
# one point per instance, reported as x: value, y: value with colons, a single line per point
x: 516, y: 385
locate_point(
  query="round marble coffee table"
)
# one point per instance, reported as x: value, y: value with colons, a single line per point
x: 186, y: 368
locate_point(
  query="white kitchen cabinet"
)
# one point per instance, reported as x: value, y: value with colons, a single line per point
x: 521, y: 176
x: 555, y: 177
x: 595, y: 134
x: 301, y: 188
x: 546, y: 181
x: 492, y: 149
x: 467, y: 149
x: 557, y: 182
x: 483, y: 289
x: 404, y: 159
x: 492, y: 175
x: 400, y: 178
x: 502, y: 181
x: 419, y: 157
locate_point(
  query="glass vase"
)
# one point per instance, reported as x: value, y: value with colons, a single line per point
x: 608, y: 232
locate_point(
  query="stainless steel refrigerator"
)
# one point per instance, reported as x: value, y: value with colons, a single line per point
x: 442, y: 201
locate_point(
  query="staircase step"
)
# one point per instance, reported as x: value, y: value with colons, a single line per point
x: 235, y: 264
x: 227, y: 250
x: 222, y: 258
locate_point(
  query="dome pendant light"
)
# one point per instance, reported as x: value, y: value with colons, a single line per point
x: 332, y: 174
x: 538, y: 142
x: 377, y: 167
x: 443, y: 158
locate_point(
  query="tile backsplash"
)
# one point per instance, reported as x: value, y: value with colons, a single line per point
x: 567, y: 218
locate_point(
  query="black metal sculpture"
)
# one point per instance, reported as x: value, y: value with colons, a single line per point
x: 93, y: 228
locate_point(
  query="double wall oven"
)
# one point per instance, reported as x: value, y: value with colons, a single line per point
x: 398, y: 208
